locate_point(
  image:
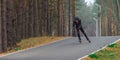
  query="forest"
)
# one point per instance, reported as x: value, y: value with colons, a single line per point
x: 109, y: 16
x: 104, y: 13
x: 21, y: 19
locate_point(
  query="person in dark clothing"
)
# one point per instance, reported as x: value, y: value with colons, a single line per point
x: 77, y: 24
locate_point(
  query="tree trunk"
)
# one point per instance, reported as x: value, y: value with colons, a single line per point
x: 4, y: 28
x: 74, y: 13
x: 0, y: 26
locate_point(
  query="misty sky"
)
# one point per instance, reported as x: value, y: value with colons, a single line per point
x: 89, y: 1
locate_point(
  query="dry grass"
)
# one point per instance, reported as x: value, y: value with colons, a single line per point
x: 88, y: 58
x: 109, y: 53
x: 33, y: 42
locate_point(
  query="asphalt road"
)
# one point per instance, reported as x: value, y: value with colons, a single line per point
x: 68, y: 49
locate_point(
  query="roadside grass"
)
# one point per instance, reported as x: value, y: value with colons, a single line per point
x: 112, y: 52
x: 33, y: 42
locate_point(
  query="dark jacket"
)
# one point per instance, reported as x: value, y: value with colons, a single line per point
x: 77, y: 24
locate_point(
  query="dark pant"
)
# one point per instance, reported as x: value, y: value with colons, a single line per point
x: 78, y: 33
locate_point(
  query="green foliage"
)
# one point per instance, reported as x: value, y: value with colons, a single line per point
x: 93, y: 56
x: 112, y: 45
x: 112, y: 54
x: 108, y: 53
x: 105, y: 54
x: 98, y: 1
x: 17, y: 48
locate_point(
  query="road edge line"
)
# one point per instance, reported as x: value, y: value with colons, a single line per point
x: 33, y: 47
x: 98, y: 49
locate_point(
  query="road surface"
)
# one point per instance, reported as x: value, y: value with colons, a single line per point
x: 68, y: 49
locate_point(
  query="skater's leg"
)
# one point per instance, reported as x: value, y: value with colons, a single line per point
x: 78, y: 33
x: 85, y: 34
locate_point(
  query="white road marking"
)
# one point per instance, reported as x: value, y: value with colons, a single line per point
x: 98, y: 50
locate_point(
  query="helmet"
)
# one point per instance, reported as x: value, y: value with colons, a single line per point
x: 76, y: 18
